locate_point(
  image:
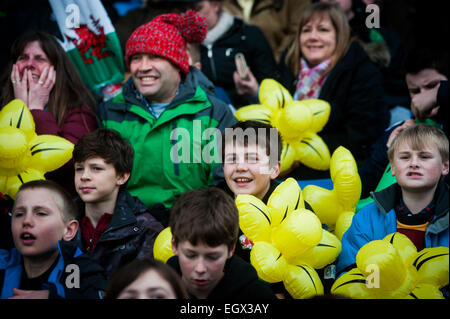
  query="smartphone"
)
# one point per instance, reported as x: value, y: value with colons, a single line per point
x: 241, y: 65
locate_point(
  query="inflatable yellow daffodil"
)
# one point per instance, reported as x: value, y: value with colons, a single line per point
x: 24, y: 155
x: 336, y: 207
x: 288, y: 240
x: 298, y: 123
x: 162, y: 248
x: 392, y: 268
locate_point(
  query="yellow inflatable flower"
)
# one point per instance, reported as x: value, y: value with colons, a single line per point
x: 392, y: 268
x: 336, y: 207
x: 24, y: 155
x: 162, y: 248
x: 288, y: 240
x: 298, y: 123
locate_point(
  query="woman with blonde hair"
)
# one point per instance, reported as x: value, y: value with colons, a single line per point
x: 324, y: 62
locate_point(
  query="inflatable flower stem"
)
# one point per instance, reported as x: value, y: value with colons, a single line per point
x: 336, y: 207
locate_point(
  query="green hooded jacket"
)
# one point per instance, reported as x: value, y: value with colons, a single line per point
x: 176, y: 151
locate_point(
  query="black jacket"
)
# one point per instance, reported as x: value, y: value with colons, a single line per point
x: 218, y: 59
x: 358, y: 113
x: 130, y: 235
x: 6, y: 204
x: 240, y: 281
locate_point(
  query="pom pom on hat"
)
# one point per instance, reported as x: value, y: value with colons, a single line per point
x: 166, y: 36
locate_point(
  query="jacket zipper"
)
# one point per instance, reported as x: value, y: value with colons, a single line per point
x: 211, y: 61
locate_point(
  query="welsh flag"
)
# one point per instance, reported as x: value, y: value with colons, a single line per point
x: 91, y: 43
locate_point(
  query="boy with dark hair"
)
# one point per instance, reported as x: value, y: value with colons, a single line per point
x: 44, y: 264
x: 251, y: 152
x: 417, y: 205
x: 205, y: 225
x: 115, y: 227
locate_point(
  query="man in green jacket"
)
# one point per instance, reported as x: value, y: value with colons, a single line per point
x: 166, y: 115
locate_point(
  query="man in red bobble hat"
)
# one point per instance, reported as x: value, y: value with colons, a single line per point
x: 172, y: 122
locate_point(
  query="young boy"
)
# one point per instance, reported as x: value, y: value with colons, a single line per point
x: 205, y: 225
x: 417, y: 205
x: 251, y: 153
x: 44, y: 264
x: 115, y: 227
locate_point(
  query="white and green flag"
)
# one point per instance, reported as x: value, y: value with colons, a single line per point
x: 90, y: 40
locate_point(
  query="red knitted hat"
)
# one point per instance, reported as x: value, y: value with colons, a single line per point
x: 166, y: 36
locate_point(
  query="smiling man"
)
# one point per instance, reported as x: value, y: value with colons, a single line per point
x: 161, y: 99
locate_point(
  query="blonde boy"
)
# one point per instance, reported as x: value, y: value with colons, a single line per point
x: 417, y: 205
x: 43, y: 222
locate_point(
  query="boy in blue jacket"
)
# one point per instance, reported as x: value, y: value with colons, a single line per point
x: 44, y: 264
x: 417, y: 205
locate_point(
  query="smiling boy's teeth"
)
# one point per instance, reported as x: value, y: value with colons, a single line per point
x: 241, y: 180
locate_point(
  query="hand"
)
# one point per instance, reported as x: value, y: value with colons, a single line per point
x: 20, y: 85
x: 39, y: 92
x: 423, y: 105
x: 397, y: 131
x: 30, y: 294
x: 246, y: 87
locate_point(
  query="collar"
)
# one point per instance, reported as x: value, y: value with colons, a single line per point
x: 223, y: 25
x: 387, y: 198
x: 405, y: 216
x: 322, y: 66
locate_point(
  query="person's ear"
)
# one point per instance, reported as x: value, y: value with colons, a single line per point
x: 70, y: 230
x: 174, y: 247
x: 392, y: 169
x: 198, y: 65
x: 122, y: 178
x: 231, y: 252
x: 445, y: 168
x: 275, y: 170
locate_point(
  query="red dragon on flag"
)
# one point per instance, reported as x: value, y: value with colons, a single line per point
x: 88, y: 39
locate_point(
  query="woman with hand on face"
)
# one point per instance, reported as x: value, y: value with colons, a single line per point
x: 324, y: 62
x: 42, y: 76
